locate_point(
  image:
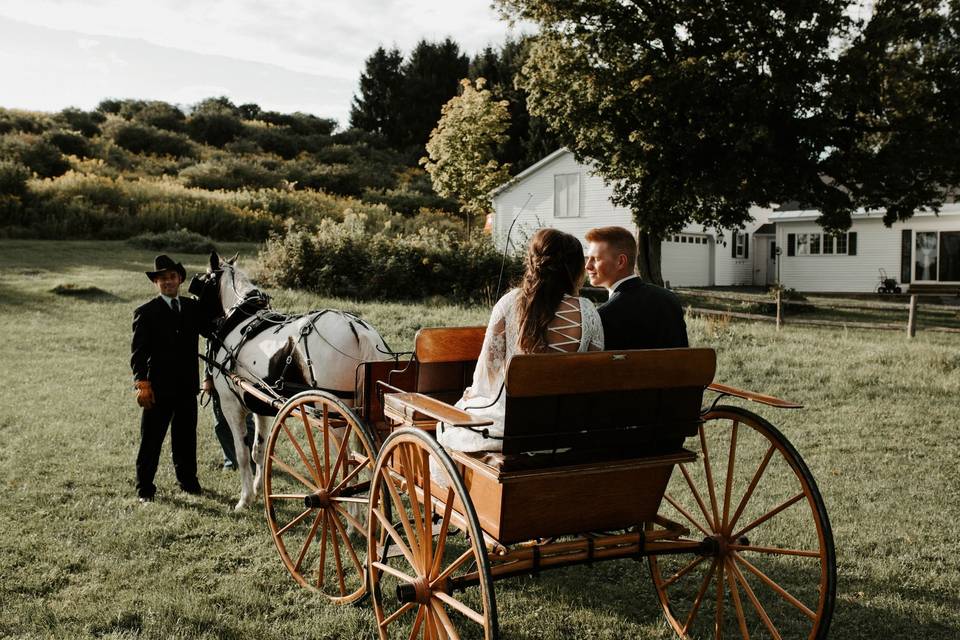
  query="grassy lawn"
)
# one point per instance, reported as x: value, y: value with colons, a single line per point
x: 80, y: 558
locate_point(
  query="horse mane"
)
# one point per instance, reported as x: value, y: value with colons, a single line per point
x: 242, y: 285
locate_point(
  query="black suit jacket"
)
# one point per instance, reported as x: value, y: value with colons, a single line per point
x: 642, y: 316
x: 164, y: 346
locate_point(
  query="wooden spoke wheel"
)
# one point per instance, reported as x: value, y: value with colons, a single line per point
x: 428, y: 582
x: 316, y: 485
x: 766, y: 567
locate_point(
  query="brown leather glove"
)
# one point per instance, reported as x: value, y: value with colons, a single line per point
x: 144, y: 394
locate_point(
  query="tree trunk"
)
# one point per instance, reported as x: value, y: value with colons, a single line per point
x: 648, y: 258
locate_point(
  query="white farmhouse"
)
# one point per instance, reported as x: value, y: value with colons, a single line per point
x: 560, y: 192
x: 922, y: 254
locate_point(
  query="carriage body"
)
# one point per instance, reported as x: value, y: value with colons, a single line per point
x: 592, y: 442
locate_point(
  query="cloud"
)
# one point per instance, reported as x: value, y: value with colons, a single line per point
x: 315, y: 50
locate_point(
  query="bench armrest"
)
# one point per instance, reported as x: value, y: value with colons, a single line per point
x: 754, y: 397
x: 404, y: 407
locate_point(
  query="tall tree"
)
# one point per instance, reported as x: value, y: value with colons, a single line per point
x: 529, y: 138
x: 378, y: 104
x: 461, y: 160
x: 431, y: 76
x: 694, y: 111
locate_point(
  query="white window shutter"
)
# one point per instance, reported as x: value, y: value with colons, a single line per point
x: 573, y: 196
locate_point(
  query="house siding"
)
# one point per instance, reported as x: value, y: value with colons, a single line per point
x: 878, y: 247
x: 596, y: 210
x: 530, y: 200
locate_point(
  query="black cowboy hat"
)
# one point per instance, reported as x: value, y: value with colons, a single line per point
x: 165, y: 263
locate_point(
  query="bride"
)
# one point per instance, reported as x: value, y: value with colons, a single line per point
x: 543, y: 314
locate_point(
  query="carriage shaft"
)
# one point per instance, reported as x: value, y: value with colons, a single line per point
x: 277, y: 402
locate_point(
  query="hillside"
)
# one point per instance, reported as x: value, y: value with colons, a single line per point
x: 233, y: 172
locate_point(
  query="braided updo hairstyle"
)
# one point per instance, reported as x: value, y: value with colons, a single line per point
x: 554, y: 267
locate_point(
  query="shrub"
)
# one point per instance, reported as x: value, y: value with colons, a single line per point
x: 162, y: 116
x: 215, y: 129
x: 343, y: 259
x: 300, y: 123
x: 408, y: 202
x: 178, y: 240
x: 87, y: 123
x: 85, y: 206
x: 143, y: 138
x: 230, y: 174
x: 40, y: 156
x: 70, y: 143
x: 16, y: 120
x: 13, y: 178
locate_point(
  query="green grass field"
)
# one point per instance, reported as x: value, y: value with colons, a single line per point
x: 80, y: 558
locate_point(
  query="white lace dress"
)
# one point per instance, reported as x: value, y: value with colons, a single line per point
x: 576, y: 327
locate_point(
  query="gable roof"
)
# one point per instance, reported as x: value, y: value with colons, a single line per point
x: 536, y: 166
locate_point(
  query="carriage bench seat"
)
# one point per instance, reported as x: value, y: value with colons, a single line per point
x: 589, y: 442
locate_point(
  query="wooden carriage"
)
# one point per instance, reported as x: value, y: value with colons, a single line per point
x: 364, y: 500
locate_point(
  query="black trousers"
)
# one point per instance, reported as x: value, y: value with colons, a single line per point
x: 179, y: 411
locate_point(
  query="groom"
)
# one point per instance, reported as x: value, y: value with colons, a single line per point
x: 637, y: 315
x: 166, y: 377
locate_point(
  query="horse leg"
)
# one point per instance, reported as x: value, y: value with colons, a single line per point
x: 263, y: 424
x: 236, y: 416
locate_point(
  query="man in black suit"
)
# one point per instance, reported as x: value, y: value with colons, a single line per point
x: 166, y: 376
x: 637, y: 315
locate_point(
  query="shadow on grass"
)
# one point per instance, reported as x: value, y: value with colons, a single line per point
x: 11, y: 297
x: 628, y: 597
x: 89, y: 294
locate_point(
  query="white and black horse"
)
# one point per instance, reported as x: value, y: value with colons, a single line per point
x: 319, y: 350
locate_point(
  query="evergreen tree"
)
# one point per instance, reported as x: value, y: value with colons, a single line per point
x: 431, y: 76
x: 376, y: 108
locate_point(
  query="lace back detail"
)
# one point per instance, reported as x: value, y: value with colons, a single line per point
x: 569, y: 331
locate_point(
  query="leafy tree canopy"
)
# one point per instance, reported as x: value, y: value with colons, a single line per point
x: 529, y: 138
x: 461, y: 160
x: 694, y: 110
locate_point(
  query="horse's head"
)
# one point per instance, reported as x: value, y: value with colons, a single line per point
x: 216, y: 290
x: 224, y: 287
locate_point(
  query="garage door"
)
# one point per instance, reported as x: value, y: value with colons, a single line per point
x: 685, y: 260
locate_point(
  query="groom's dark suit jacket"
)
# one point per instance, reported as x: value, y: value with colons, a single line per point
x: 164, y: 347
x: 642, y: 316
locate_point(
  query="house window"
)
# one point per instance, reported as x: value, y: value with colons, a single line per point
x: 566, y: 195
x: 841, y: 243
x: 925, y: 256
x: 816, y: 244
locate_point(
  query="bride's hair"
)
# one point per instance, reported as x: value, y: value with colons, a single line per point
x: 554, y: 267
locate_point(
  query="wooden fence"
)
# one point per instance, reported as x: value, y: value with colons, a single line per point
x: 783, y: 317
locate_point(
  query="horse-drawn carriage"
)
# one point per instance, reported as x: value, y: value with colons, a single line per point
x: 740, y: 542
x: 604, y: 456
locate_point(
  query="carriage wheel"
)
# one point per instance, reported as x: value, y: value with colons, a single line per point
x: 767, y: 567
x: 427, y: 583
x: 316, y: 488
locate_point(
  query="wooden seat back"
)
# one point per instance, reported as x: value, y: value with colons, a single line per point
x: 445, y: 359
x: 619, y: 419
x: 616, y: 400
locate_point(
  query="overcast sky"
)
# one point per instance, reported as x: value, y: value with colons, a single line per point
x: 287, y: 55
